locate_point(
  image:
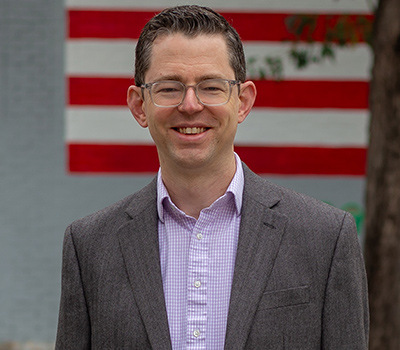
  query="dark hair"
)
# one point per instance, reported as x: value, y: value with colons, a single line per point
x: 190, y: 20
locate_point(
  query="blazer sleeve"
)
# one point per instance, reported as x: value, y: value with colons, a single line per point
x: 345, y: 323
x: 73, y: 323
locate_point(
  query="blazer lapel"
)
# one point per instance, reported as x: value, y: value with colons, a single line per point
x: 139, y: 244
x: 260, y: 236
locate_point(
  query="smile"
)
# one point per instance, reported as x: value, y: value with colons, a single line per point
x: 191, y: 131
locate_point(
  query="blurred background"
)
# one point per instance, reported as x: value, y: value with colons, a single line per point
x: 68, y: 145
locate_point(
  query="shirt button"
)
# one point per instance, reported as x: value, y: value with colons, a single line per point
x: 196, y: 333
x: 199, y: 236
x: 197, y: 284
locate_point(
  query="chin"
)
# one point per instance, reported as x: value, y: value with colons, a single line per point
x: 192, y: 159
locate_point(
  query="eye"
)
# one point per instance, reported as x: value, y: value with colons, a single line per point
x: 212, y: 86
x: 167, y: 88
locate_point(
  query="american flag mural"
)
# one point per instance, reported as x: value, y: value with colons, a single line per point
x: 313, y: 122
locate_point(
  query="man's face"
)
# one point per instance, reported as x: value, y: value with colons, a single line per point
x: 190, y: 135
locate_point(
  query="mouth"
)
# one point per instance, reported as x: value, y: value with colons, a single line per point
x: 191, y: 131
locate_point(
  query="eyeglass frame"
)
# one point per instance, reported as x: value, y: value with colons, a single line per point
x: 231, y: 83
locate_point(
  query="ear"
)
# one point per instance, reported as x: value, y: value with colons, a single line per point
x: 136, y: 104
x: 247, y: 96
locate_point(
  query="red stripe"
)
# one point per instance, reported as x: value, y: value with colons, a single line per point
x: 86, y: 91
x: 312, y: 94
x: 92, y: 158
x: 107, y: 24
x: 251, y: 26
x: 304, y: 160
x: 95, y: 91
x: 95, y: 158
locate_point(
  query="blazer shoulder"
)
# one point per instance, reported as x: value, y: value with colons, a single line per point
x: 300, y: 208
x: 115, y: 215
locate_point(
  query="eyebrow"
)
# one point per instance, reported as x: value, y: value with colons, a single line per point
x: 176, y: 77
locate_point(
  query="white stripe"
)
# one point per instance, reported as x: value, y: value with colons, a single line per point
x: 304, y: 127
x: 116, y: 58
x: 100, y: 57
x: 106, y: 125
x: 332, y: 6
x: 263, y: 126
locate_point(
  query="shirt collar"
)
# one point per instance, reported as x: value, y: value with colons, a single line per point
x: 235, y: 187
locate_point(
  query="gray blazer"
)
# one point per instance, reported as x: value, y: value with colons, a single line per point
x: 299, y: 280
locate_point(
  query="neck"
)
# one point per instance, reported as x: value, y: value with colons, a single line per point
x: 192, y: 190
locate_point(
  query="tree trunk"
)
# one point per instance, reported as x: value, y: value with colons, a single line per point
x: 382, y: 242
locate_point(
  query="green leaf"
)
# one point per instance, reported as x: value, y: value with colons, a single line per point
x: 275, y: 66
x: 300, y: 57
x: 327, y: 51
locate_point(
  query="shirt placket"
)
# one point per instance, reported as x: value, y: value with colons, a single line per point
x: 198, y: 274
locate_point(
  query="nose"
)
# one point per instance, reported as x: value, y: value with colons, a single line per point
x: 190, y: 103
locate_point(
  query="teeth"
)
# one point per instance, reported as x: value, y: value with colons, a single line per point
x: 191, y: 131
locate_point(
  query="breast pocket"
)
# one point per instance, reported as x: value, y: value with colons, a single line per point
x: 285, y: 297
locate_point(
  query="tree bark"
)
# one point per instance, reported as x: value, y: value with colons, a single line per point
x: 382, y: 241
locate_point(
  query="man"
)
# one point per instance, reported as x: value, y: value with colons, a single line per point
x: 209, y: 255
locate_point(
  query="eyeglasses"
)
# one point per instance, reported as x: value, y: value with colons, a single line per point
x: 209, y: 92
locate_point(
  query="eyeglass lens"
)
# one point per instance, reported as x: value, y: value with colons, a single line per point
x: 209, y: 92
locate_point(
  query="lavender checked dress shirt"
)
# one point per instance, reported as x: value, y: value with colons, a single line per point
x: 197, y: 263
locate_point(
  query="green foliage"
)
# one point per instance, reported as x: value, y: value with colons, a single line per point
x: 302, y: 57
x: 302, y: 26
x: 339, y: 31
x: 334, y: 31
x: 267, y: 67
